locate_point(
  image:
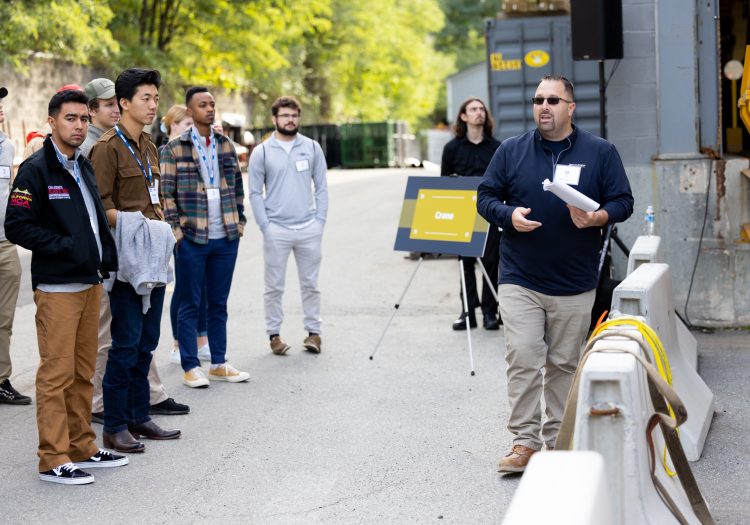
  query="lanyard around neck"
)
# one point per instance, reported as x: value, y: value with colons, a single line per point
x: 201, y: 151
x: 76, y: 172
x: 148, y: 175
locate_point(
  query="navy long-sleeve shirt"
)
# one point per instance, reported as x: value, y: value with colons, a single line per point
x: 557, y: 258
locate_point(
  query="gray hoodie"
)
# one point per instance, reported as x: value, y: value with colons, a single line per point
x: 144, y: 248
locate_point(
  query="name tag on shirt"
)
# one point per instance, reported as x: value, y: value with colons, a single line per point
x: 153, y: 192
x: 570, y: 175
x: 212, y: 194
x: 303, y: 165
x: 4, y: 172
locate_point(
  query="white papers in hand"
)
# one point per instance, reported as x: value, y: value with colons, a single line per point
x: 570, y: 195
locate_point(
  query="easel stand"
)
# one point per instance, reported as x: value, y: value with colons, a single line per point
x: 465, y: 302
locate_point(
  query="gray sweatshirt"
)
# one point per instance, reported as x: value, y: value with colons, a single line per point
x: 7, y: 152
x: 288, y: 179
x: 91, y: 138
x: 144, y: 248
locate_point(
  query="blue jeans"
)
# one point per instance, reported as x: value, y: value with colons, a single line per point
x: 206, y: 267
x: 134, y: 338
x: 174, y: 308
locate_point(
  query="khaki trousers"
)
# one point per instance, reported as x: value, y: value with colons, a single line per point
x: 542, y: 333
x: 157, y: 391
x: 66, y: 327
x: 10, y: 281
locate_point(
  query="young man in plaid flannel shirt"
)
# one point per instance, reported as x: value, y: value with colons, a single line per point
x: 201, y: 187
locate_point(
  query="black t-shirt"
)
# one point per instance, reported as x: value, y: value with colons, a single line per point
x: 464, y: 158
x: 556, y: 145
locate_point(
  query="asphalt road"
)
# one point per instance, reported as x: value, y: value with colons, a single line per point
x: 336, y: 438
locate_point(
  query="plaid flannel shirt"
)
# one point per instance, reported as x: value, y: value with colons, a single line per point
x: 183, y: 190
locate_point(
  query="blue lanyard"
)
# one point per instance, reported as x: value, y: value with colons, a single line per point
x: 148, y: 175
x: 75, y: 168
x: 209, y: 168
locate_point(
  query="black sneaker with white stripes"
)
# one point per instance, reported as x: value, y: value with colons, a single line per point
x: 103, y: 459
x: 67, y: 474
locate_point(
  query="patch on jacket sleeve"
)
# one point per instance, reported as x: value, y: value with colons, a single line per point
x: 58, y: 192
x: 20, y: 198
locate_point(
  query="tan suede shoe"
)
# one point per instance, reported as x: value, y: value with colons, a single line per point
x: 279, y: 346
x: 517, y: 460
x: 312, y: 343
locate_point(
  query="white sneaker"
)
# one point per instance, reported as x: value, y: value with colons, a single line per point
x: 204, y: 353
x: 226, y: 372
x: 174, y: 357
x: 195, y: 378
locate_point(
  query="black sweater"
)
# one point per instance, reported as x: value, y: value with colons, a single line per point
x: 47, y: 215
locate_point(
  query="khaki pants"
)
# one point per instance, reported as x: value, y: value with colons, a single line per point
x: 157, y: 391
x: 10, y: 281
x: 66, y: 327
x: 542, y: 332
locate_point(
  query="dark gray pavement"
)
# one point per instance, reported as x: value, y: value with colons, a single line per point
x: 410, y: 437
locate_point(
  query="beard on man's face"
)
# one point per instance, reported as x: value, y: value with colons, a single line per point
x: 288, y: 131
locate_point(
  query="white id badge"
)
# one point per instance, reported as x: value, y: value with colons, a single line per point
x: 570, y: 175
x: 4, y: 172
x: 212, y: 194
x: 302, y: 165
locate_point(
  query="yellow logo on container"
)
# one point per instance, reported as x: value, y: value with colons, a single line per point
x: 499, y: 64
x: 536, y: 58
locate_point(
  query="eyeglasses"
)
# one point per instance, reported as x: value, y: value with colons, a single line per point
x: 552, y: 101
x: 290, y: 116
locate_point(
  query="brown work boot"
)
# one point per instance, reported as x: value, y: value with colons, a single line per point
x: 312, y: 343
x: 517, y: 460
x: 279, y: 346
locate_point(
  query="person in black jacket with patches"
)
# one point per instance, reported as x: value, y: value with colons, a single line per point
x: 54, y: 210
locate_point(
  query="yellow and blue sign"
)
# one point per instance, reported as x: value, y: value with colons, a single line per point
x: 439, y: 215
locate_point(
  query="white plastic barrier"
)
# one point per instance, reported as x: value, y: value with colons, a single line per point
x: 564, y: 488
x: 647, y: 249
x: 647, y: 292
x: 616, y: 382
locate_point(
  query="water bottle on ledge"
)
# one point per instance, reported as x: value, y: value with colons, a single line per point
x: 648, y: 226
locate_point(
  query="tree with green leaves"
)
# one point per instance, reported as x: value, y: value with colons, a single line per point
x: 72, y: 30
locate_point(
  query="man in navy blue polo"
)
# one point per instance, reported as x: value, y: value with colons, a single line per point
x: 548, y: 257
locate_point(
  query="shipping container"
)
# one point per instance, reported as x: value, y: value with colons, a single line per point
x: 520, y: 51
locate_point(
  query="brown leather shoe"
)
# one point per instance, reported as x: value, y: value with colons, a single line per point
x: 279, y: 346
x: 151, y: 430
x: 312, y: 343
x: 122, y: 441
x: 517, y: 460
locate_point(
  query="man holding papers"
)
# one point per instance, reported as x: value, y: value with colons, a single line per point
x: 548, y: 257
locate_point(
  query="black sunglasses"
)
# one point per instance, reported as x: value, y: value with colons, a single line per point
x: 552, y: 101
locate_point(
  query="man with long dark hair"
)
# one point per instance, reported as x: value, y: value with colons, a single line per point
x: 468, y: 155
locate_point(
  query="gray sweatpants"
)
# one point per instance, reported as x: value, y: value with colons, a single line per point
x: 278, y: 242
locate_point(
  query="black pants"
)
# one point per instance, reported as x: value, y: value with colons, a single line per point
x: 490, y: 261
